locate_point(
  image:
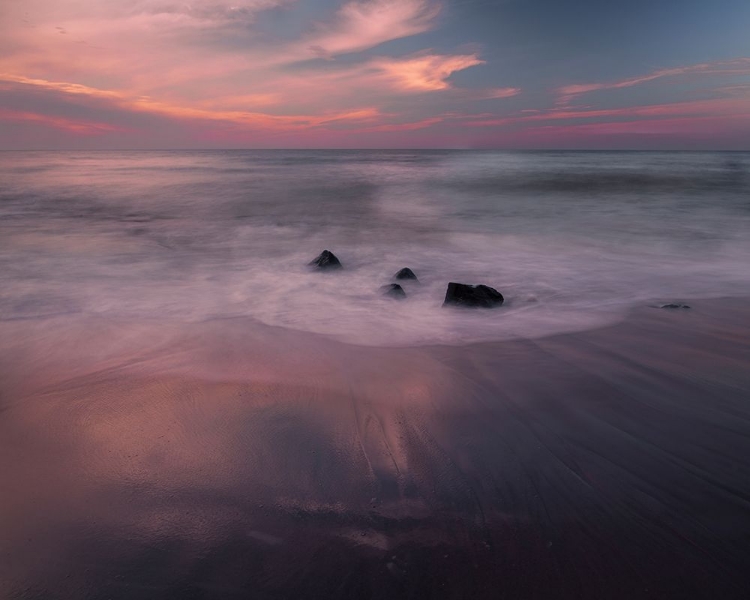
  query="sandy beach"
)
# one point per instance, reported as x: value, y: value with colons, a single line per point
x: 228, y: 459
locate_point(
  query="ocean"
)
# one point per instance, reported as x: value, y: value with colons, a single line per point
x: 573, y: 240
x: 188, y: 411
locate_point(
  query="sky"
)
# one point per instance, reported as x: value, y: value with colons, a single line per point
x: 507, y: 74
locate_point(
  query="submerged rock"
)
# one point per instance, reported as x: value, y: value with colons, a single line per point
x: 406, y: 273
x: 461, y: 294
x: 393, y: 290
x: 326, y: 261
x: 674, y: 305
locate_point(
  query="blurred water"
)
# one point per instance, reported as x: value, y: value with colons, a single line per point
x: 572, y: 239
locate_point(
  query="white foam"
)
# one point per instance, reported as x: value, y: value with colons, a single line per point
x: 184, y: 237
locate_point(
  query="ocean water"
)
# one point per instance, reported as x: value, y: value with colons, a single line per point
x: 572, y: 239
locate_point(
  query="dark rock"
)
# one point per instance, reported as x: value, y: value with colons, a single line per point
x: 460, y: 294
x: 406, y: 273
x: 393, y: 290
x: 674, y: 305
x: 326, y: 261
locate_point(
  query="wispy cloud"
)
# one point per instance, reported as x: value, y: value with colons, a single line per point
x: 87, y: 112
x: 60, y: 95
x: 727, y: 107
x: 360, y: 25
x: 690, y: 132
x: 738, y: 66
x: 497, y: 93
x: 78, y: 127
x: 427, y: 72
x: 204, y: 10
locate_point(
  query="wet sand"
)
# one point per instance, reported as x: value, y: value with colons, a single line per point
x: 231, y: 460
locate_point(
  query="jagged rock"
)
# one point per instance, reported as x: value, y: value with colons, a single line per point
x: 461, y: 294
x: 393, y: 290
x: 406, y: 273
x: 326, y: 261
x: 672, y: 305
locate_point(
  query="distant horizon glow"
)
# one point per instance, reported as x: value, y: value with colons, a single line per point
x: 158, y: 74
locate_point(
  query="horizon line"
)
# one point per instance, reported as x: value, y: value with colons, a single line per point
x: 365, y: 149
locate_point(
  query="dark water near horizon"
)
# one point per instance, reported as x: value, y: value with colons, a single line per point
x: 572, y: 239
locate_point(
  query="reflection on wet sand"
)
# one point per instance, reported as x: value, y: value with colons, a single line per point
x: 234, y: 460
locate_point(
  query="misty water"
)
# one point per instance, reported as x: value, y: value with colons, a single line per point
x: 572, y: 239
x: 188, y: 410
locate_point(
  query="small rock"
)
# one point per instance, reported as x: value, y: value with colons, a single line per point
x: 326, y: 261
x: 461, y: 294
x: 406, y: 273
x: 674, y: 305
x: 393, y: 290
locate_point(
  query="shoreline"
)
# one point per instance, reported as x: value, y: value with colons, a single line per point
x: 217, y: 461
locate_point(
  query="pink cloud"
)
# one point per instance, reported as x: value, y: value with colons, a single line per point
x: 425, y: 72
x: 365, y: 24
x: 406, y: 126
x: 145, y: 105
x: 204, y: 63
x: 739, y: 66
x: 77, y: 127
x: 507, y: 92
x: 203, y: 10
x: 377, y: 80
x: 205, y: 68
x: 664, y: 131
x: 128, y: 118
x: 168, y: 52
x: 699, y: 108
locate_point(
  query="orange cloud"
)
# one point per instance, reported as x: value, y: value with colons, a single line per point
x: 424, y: 73
x: 141, y: 104
x: 208, y: 64
x: 68, y: 88
x: 207, y: 54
